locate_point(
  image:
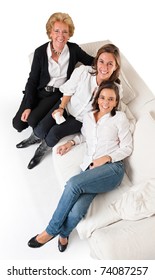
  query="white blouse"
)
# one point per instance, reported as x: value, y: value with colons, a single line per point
x: 109, y: 136
x: 80, y: 86
x: 58, y: 70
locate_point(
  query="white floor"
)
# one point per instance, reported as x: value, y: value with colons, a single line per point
x: 28, y: 198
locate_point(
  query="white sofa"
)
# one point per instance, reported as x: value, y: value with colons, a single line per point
x: 121, y: 223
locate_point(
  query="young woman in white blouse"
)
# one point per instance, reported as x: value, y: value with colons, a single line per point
x: 108, y: 138
x: 77, y: 100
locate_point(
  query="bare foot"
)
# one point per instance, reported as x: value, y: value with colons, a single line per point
x: 63, y: 241
x: 43, y: 237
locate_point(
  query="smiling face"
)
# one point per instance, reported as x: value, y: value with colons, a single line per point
x: 106, y: 65
x: 107, y: 100
x: 59, y: 35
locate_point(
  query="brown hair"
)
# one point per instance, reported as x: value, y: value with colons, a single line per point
x: 110, y: 48
x: 61, y: 17
x: 110, y: 85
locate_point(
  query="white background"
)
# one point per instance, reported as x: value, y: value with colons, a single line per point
x: 127, y: 23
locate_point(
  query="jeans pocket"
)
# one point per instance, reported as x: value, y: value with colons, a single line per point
x: 118, y: 168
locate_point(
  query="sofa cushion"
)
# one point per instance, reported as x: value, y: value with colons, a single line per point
x: 140, y: 165
x: 124, y: 240
x: 137, y: 203
x: 67, y: 165
x: 128, y: 92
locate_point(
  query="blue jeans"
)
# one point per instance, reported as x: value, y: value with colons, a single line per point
x: 79, y: 192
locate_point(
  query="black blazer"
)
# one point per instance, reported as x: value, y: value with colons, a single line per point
x: 39, y: 75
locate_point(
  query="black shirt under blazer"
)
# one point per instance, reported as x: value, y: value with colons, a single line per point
x: 39, y: 75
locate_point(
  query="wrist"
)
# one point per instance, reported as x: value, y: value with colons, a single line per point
x: 109, y: 158
x: 72, y: 142
x: 60, y: 107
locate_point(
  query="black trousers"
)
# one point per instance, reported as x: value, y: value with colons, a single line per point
x: 44, y: 102
x: 50, y: 131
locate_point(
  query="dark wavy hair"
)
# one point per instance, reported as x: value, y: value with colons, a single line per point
x: 109, y: 85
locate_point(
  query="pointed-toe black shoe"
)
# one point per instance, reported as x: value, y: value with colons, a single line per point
x: 27, y: 143
x: 33, y: 139
x: 39, y: 154
x: 34, y: 162
x: 62, y: 247
x: 33, y: 243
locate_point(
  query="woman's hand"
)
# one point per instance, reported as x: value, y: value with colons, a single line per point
x: 63, y: 149
x: 56, y: 111
x: 25, y: 115
x: 64, y: 102
x: 99, y: 161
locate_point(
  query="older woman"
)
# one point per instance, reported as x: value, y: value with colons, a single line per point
x: 52, y: 65
x: 107, y: 134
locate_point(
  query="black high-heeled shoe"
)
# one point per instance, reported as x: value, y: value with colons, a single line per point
x: 33, y: 243
x: 62, y: 247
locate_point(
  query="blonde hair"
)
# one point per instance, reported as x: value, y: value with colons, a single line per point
x: 61, y: 17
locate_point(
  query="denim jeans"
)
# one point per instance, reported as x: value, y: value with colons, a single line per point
x: 79, y: 192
